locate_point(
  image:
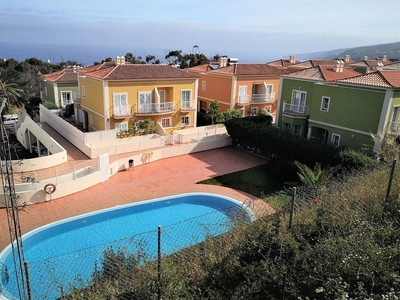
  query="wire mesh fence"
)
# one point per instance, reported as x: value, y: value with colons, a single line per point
x: 114, y: 267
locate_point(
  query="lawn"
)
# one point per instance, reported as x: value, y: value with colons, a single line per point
x: 257, y: 181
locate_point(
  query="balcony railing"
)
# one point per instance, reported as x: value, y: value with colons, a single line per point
x: 394, y: 128
x: 296, y: 110
x: 76, y: 97
x: 122, y: 111
x: 255, y: 98
x: 156, y: 108
x: 187, y: 105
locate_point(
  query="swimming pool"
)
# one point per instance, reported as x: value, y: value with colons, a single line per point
x: 64, y: 253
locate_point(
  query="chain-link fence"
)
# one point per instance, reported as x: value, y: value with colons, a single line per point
x: 112, y: 268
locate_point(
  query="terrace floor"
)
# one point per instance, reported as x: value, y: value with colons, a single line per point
x: 156, y: 179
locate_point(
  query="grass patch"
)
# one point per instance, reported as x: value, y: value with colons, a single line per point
x: 258, y: 181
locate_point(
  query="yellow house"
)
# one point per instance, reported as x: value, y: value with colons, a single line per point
x: 119, y: 95
x: 249, y: 88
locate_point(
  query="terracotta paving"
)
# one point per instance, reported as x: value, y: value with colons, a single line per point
x: 161, y: 178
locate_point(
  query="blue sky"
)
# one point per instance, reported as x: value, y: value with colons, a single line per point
x: 251, y: 30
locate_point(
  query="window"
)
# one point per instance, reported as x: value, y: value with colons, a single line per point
x: 123, y: 126
x: 185, y: 98
x: 242, y: 97
x: 166, y: 122
x: 297, y: 130
x: 268, y: 108
x: 145, y: 102
x: 90, y: 121
x: 335, y: 140
x: 286, y: 127
x: 162, y: 99
x: 65, y: 98
x: 185, y: 120
x: 120, y: 101
x: 83, y: 91
x: 241, y: 112
x: 299, y: 101
x: 253, y: 111
x: 325, y: 103
x: 203, y: 86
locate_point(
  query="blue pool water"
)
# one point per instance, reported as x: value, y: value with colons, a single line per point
x: 64, y: 254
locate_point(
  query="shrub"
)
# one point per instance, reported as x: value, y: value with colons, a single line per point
x: 351, y: 159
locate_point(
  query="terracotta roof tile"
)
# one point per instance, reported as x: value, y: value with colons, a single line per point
x: 113, y: 71
x: 321, y: 73
x: 62, y: 76
x: 249, y: 69
x: 384, y: 79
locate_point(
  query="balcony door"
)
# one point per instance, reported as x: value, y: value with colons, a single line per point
x: 120, y: 104
x: 145, y: 102
x: 298, y: 101
x: 242, y: 97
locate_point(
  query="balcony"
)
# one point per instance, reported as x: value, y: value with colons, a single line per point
x: 296, y: 110
x: 151, y: 109
x: 122, y: 112
x: 76, y: 97
x: 394, y: 128
x: 256, y: 99
x: 188, y: 105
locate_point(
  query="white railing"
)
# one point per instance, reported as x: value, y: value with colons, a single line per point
x: 122, y: 110
x: 188, y: 104
x: 295, y: 109
x: 156, y: 107
x: 394, y: 127
x: 76, y: 96
x: 263, y: 98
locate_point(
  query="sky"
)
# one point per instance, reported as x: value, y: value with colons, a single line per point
x: 253, y: 31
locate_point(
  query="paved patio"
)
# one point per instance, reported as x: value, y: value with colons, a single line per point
x: 161, y: 178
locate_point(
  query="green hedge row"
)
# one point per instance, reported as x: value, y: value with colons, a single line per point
x: 274, y: 143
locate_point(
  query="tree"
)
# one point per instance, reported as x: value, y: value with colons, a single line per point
x: 11, y: 83
x: 174, y: 56
x: 231, y: 114
x: 318, y: 175
x: 215, y: 113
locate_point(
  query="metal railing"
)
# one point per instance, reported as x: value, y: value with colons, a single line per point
x: 156, y: 107
x: 122, y: 110
x: 188, y: 104
x: 255, y: 98
x: 295, y: 109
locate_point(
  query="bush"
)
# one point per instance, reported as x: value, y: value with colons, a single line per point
x: 351, y: 159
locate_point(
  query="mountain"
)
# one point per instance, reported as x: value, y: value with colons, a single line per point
x: 391, y: 50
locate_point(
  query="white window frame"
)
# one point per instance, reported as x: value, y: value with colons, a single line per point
x: 186, y: 97
x: 203, y: 85
x: 253, y: 111
x: 299, y: 102
x: 120, y: 103
x: 296, y: 131
x: 65, y: 102
x: 242, y: 94
x: 145, y: 106
x: 166, y: 120
x: 121, y: 126
x: 241, y: 111
x: 90, y: 121
x: 183, y: 118
x: 83, y: 91
x: 325, y: 102
x: 286, y: 127
x: 161, y: 94
x: 268, y: 108
x: 335, y: 140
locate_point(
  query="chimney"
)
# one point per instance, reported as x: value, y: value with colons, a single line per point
x: 338, y: 66
x: 292, y: 59
x: 223, y: 61
x: 365, y: 57
x: 379, y: 66
x: 384, y: 58
x: 347, y: 58
x: 120, y: 60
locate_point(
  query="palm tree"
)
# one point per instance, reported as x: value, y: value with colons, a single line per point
x: 318, y: 175
x: 11, y: 83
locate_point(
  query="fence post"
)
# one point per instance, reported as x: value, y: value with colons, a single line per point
x: 292, y: 208
x: 159, y: 262
x: 390, y: 181
x: 28, y: 280
x: 283, y: 286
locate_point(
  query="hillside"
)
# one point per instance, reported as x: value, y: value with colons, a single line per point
x: 391, y: 50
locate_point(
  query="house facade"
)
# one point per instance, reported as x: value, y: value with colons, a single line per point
x: 341, y: 108
x: 250, y: 88
x: 118, y: 95
x: 60, y: 87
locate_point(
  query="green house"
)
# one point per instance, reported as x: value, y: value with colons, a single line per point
x: 60, y: 87
x: 338, y: 106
